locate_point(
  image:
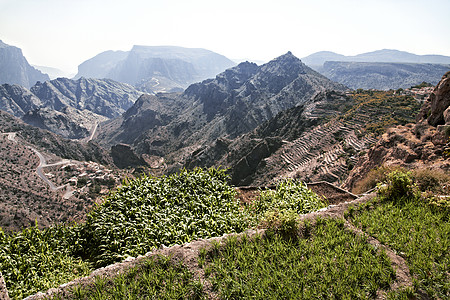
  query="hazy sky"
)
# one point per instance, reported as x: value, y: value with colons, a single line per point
x: 64, y: 33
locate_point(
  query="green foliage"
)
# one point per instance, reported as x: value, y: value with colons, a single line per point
x: 156, y: 278
x: 418, y: 233
x: 399, y: 187
x: 284, y: 222
x: 330, y: 263
x: 289, y: 195
x: 149, y: 212
x: 35, y: 260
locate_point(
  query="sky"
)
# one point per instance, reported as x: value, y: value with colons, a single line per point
x: 64, y: 33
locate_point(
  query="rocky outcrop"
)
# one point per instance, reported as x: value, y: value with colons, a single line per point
x: 414, y: 145
x: 124, y: 156
x: 439, y: 103
x: 15, y: 69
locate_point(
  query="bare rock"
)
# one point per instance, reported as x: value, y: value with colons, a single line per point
x: 440, y: 101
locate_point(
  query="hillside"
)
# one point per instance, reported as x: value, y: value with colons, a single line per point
x: 70, y: 108
x: 26, y: 197
x: 233, y: 103
x: 417, y: 144
x: 319, y: 140
x: 15, y: 69
x: 155, y: 68
x: 383, y: 76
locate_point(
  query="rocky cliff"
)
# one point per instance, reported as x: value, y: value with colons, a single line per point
x: 17, y: 100
x: 15, y: 69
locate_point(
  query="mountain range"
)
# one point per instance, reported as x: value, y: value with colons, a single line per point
x: 233, y: 103
x: 317, y: 59
x: 382, y: 69
x: 68, y: 107
x: 156, y: 68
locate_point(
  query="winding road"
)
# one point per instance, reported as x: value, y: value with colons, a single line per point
x: 43, y: 164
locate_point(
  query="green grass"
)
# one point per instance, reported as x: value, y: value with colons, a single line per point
x: 417, y: 232
x: 329, y: 263
x: 156, y: 278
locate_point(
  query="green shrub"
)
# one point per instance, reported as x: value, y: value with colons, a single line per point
x: 284, y: 222
x: 289, y: 195
x: 374, y: 177
x: 399, y: 187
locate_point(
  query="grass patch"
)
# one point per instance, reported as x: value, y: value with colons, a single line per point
x: 417, y: 229
x: 329, y: 262
x: 156, y: 278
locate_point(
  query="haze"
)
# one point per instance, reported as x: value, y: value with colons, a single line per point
x: 63, y: 33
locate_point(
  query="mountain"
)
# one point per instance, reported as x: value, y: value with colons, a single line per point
x: 233, y: 103
x: 385, y: 55
x: 383, y: 76
x: 156, y: 68
x: 15, y: 69
x: 71, y: 108
x: 100, y: 65
x: 104, y: 97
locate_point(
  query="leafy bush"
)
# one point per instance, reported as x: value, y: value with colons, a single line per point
x: 289, y: 195
x: 149, y: 212
x: 399, y: 187
x: 284, y: 222
x: 374, y: 177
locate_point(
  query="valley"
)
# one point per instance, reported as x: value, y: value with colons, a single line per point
x: 96, y: 171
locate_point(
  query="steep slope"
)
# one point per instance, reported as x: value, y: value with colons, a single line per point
x: 233, y: 103
x: 156, y: 68
x: 15, y: 69
x: 383, y: 76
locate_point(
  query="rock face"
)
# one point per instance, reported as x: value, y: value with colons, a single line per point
x: 233, y: 103
x: 157, y: 68
x: 415, y: 145
x: 382, y: 76
x: 439, y: 103
x: 15, y: 69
